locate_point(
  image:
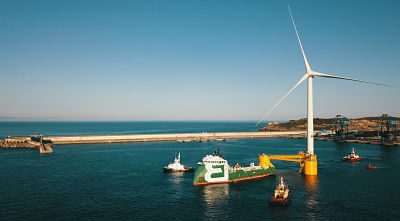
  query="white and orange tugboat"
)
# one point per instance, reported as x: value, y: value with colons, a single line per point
x: 176, y: 166
x: 352, y: 157
x: 281, y: 195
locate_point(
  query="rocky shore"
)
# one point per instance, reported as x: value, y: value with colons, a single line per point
x: 359, y: 124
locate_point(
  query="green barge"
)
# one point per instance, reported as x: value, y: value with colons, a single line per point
x: 214, y: 169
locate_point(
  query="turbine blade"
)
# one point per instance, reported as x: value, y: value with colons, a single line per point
x: 308, y: 69
x: 273, y: 107
x: 349, y: 79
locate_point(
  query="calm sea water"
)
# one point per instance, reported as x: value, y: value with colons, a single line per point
x: 125, y: 181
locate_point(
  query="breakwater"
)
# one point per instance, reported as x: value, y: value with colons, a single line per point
x: 179, y: 137
x: 27, y: 142
x: 44, y: 143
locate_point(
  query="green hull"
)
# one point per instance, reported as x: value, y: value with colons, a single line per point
x: 203, y: 176
x: 239, y: 174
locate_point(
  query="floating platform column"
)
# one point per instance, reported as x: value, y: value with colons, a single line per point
x: 310, y: 165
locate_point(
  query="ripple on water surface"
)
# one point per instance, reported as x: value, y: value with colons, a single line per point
x: 126, y: 181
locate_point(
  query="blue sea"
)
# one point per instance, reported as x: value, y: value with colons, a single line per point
x: 125, y: 181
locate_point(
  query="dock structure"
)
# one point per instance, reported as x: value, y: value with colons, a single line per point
x: 45, y: 148
x: 44, y: 143
x: 361, y: 141
x: 179, y: 137
x: 34, y: 142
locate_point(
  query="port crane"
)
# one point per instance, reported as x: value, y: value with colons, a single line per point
x: 341, y: 126
x: 388, y: 129
x: 308, y: 161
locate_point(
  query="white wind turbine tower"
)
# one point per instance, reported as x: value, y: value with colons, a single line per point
x: 309, y: 75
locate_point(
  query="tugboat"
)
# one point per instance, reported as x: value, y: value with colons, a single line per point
x: 372, y: 167
x: 214, y: 169
x: 352, y: 157
x: 176, y: 166
x: 281, y: 195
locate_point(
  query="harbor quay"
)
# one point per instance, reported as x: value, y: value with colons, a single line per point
x: 179, y: 137
x: 44, y: 143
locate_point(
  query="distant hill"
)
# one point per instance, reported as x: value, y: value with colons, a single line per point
x: 377, y: 118
x: 361, y: 124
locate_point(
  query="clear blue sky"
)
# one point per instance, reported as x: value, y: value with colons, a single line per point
x: 194, y: 60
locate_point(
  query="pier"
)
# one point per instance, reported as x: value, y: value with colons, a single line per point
x: 179, y: 137
x: 35, y: 142
x: 44, y: 143
x: 45, y: 148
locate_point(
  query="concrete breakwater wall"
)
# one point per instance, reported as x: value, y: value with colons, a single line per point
x: 26, y: 142
x: 16, y: 142
x: 180, y: 137
x: 44, y: 145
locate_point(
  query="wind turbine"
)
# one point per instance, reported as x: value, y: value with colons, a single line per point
x: 310, y: 160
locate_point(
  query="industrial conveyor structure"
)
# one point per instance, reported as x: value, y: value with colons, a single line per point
x: 341, y: 126
x: 388, y: 129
